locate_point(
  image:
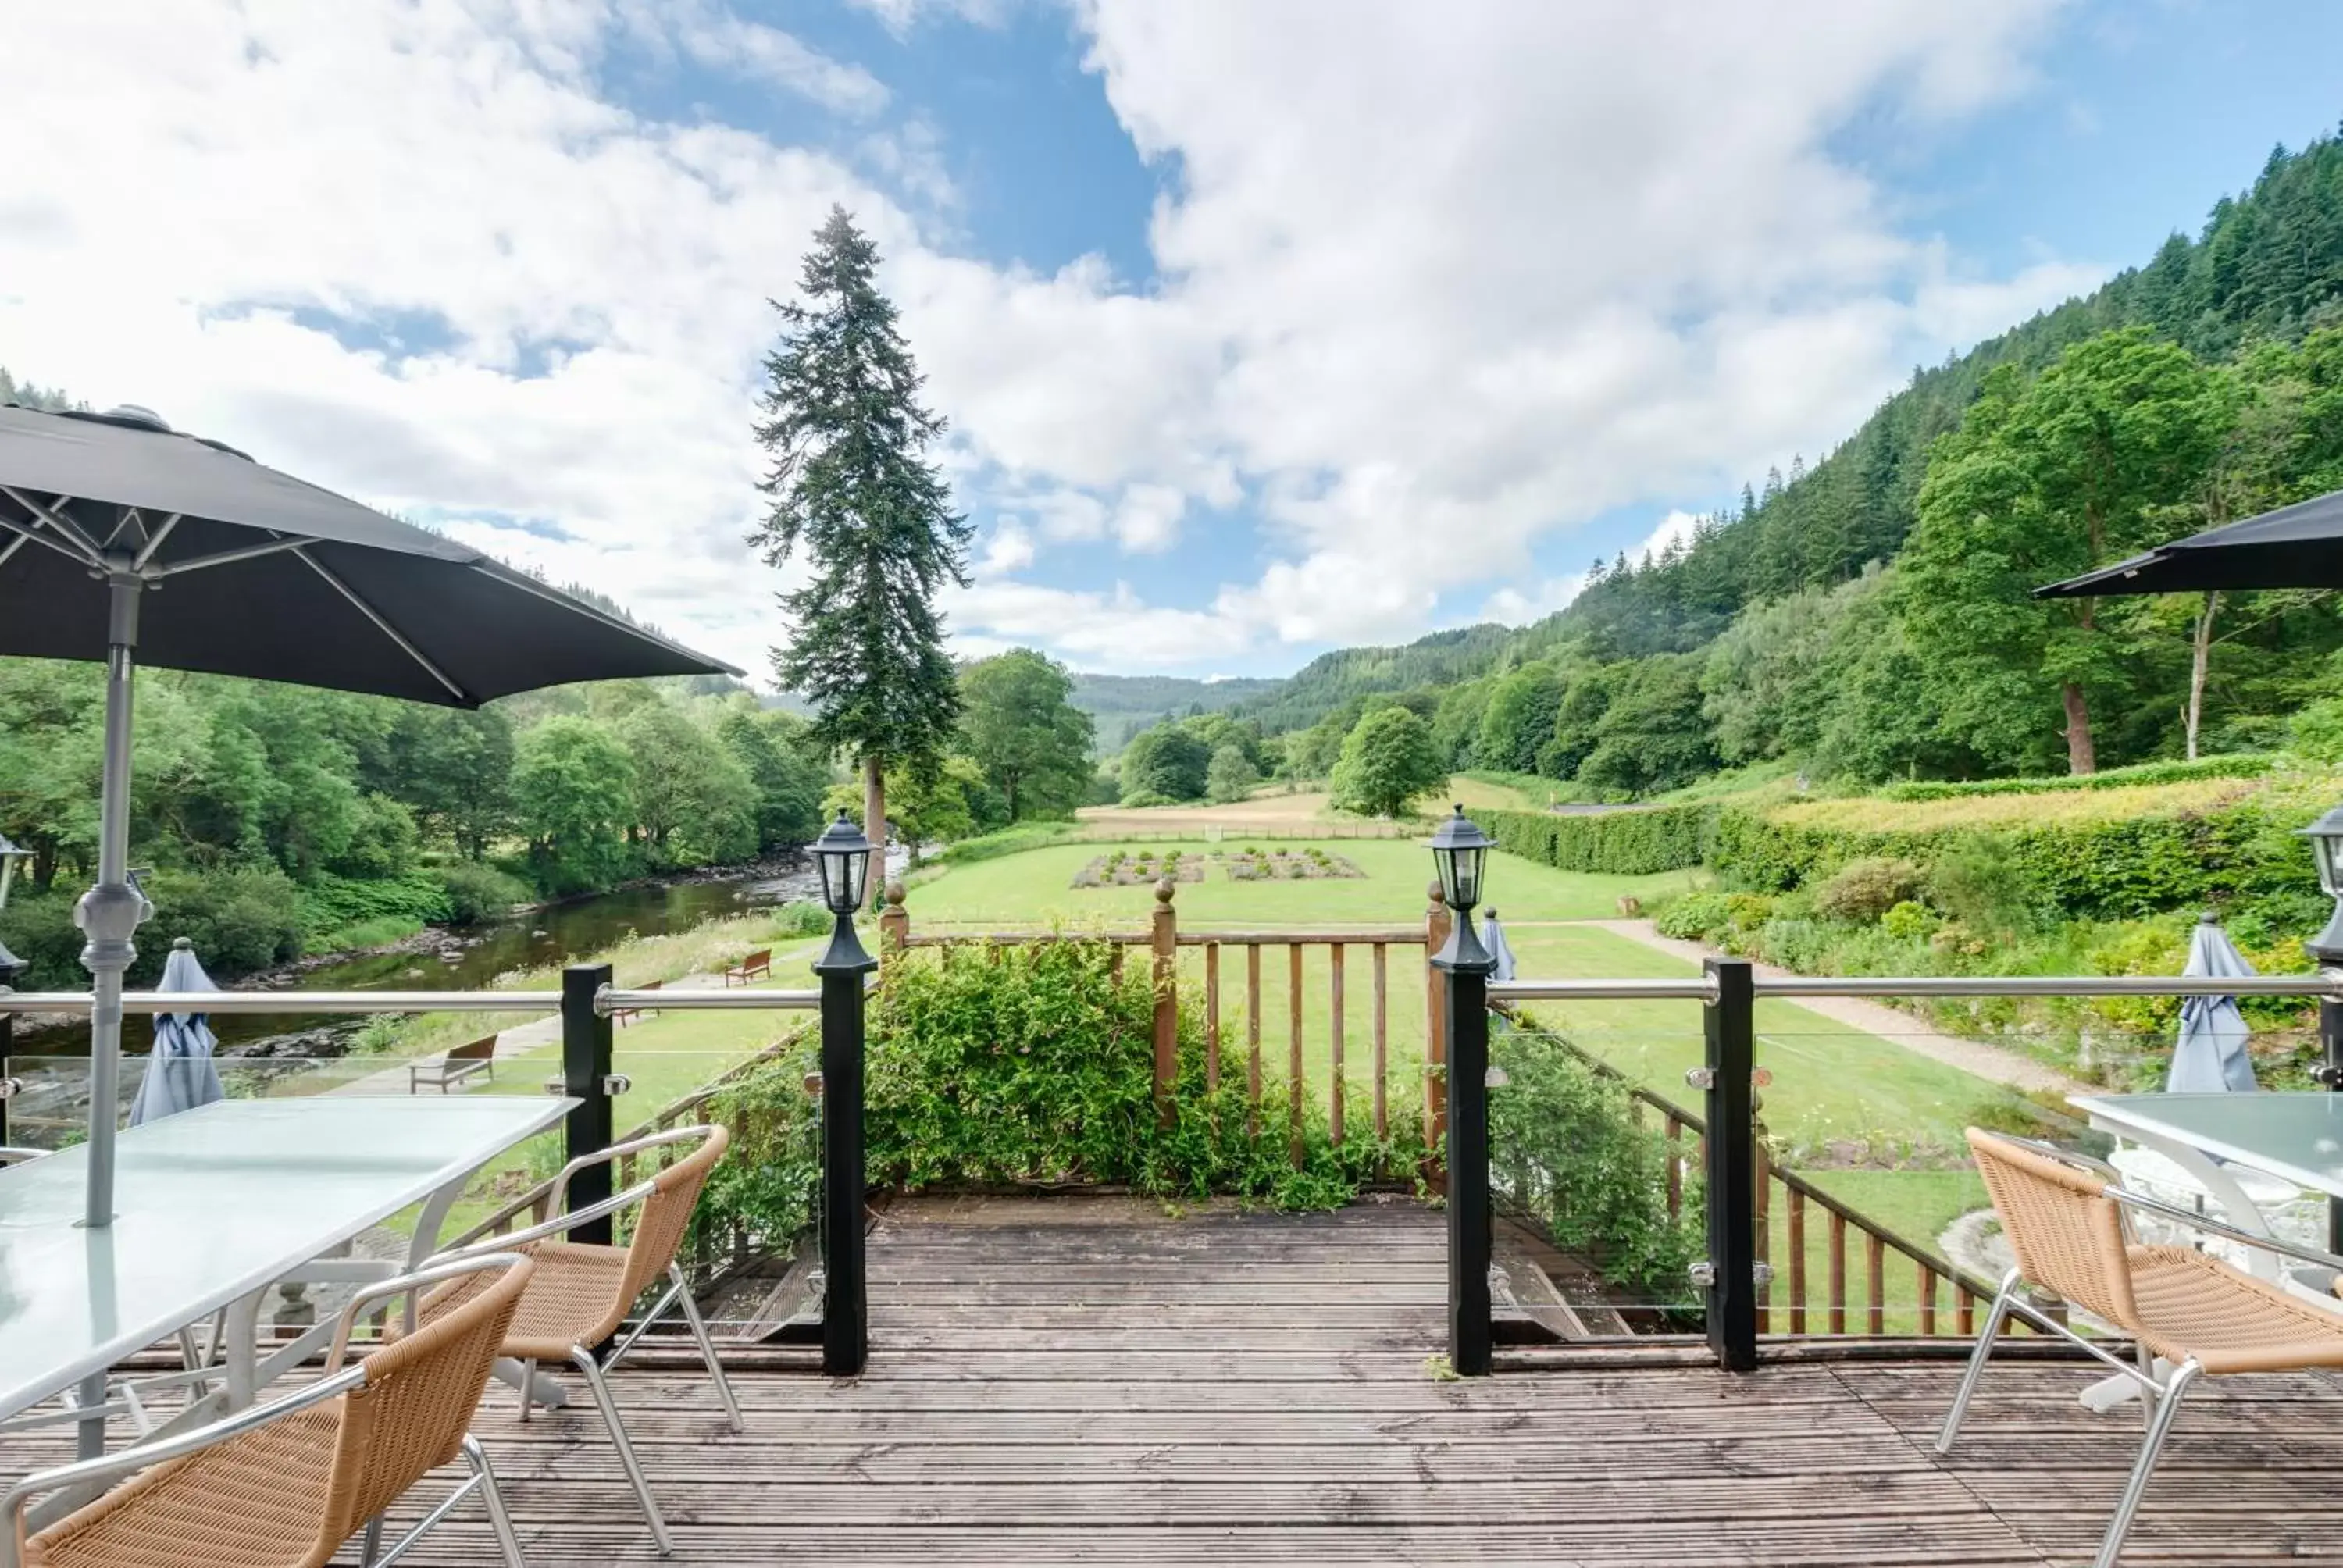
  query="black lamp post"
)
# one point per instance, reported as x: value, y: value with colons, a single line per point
x: 843, y: 855
x: 1461, y: 850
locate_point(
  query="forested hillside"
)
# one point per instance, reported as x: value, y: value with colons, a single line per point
x: 1120, y: 706
x: 1866, y: 616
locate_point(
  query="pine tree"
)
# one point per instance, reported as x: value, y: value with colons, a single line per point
x: 851, y: 486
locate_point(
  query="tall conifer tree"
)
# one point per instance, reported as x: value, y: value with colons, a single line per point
x: 851, y: 486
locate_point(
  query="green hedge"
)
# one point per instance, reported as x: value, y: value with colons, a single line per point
x: 1632, y: 843
x: 2231, y: 856
x: 2242, y: 765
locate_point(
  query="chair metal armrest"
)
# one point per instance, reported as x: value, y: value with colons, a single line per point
x: 446, y: 1266
x: 559, y: 1225
x: 141, y: 1456
x: 2195, y: 1222
x: 618, y: 1150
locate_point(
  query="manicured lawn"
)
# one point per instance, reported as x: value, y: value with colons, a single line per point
x: 1034, y: 890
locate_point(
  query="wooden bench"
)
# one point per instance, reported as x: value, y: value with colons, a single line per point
x: 621, y: 1015
x: 460, y: 1063
x: 757, y: 965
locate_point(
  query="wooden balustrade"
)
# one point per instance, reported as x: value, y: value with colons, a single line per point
x: 1795, y: 1311
x: 1165, y: 939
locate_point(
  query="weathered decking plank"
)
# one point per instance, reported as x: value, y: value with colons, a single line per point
x: 1227, y: 1390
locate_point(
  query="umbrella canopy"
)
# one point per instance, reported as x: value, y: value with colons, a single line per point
x: 2299, y: 545
x: 1493, y: 937
x: 179, y: 1075
x: 262, y: 575
x: 2211, y: 1057
x: 256, y: 574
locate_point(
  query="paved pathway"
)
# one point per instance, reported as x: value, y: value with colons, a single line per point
x: 1995, y: 1063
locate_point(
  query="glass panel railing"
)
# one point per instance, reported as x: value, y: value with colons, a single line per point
x: 1594, y: 1171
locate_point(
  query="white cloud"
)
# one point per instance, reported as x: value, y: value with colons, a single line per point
x: 1428, y: 275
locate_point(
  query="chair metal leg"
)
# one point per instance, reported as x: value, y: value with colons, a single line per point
x: 584, y: 1362
x: 1992, y: 1330
x: 499, y: 1519
x: 370, y: 1547
x: 528, y: 1381
x: 706, y: 1347
x: 2167, y: 1405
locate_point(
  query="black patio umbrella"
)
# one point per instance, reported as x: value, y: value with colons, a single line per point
x: 125, y: 541
x: 2299, y: 545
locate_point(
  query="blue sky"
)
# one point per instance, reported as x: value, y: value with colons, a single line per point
x: 1262, y: 329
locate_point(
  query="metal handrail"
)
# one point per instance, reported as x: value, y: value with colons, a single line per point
x: 220, y: 1004
x: 1699, y: 988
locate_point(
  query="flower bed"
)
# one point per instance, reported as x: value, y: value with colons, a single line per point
x: 1308, y: 864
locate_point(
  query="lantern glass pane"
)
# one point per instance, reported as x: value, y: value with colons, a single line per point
x: 2324, y: 846
x: 834, y: 894
x: 1468, y: 876
x: 857, y: 877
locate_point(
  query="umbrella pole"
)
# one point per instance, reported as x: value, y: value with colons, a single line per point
x: 108, y: 915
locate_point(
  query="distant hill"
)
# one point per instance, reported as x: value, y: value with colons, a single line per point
x: 2268, y: 265
x: 1123, y: 705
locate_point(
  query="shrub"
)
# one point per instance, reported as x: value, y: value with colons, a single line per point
x: 331, y: 904
x: 1794, y: 944
x: 477, y: 894
x: 802, y: 918
x: 1013, y: 840
x: 1908, y: 922
x: 240, y: 919
x: 1694, y: 918
x: 1567, y: 1154
x: 2239, y: 765
x: 1747, y: 911
x: 1633, y: 843
x: 1866, y: 889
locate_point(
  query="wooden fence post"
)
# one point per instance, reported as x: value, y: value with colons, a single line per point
x: 1167, y: 997
x: 1435, y: 1028
x: 894, y: 924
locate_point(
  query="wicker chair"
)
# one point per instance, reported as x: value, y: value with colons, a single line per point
x: 581, y: 1293
x: 284, y: 1485
x: 2188, y: 1315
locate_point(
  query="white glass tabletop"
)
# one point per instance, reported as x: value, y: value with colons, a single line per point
x: 2298, y: 1136
x: 212, y: 1204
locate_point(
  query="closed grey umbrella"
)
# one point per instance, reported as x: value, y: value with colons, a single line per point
x: 2211, y: 1057
x: 1493, y: 937
x: 179, y: 1074
x: 255, y: 573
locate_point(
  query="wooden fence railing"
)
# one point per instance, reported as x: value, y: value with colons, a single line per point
x: 1799, y: 1312
x: 1219, y: 950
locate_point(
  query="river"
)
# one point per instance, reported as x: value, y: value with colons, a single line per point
x: 470, y: 959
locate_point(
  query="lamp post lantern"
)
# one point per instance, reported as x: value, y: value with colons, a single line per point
x: 1460, y: 852
x: 842, y: 855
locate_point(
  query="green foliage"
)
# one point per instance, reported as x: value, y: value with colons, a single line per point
x: 1565, y: 1151
x: 1166, y: 763
x: 573, y: 799
x: 1519, y: 719
x: 1694, y: 918
x: 694, y: 802
x: 1866, y: 889
x: 477, y: 894
x: 241, y: 919
x: 1908, y: 921
x: 2241, y: 765
x: 852, y: 489
x: 1632, y: 843
x: 1007, y: 841
x: 1022, y: 728
x: 1035, y: 1067
x: 1650, y: 737
x: 1231, y: 777
x: 333, y: 904
x: 783, y: 767
x: 1388, y: 763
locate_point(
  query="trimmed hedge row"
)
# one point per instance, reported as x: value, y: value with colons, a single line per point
x: 2241, y: 765
x: 2121, y: 867
x: 1633, y: 842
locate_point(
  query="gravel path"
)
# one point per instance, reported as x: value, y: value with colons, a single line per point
x: 1995, y: 1063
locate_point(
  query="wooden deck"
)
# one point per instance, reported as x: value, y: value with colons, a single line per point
x: 1229, y: 1389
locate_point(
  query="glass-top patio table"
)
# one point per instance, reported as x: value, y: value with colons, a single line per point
x: 212, y: 1207
x: 2296, y: 1137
